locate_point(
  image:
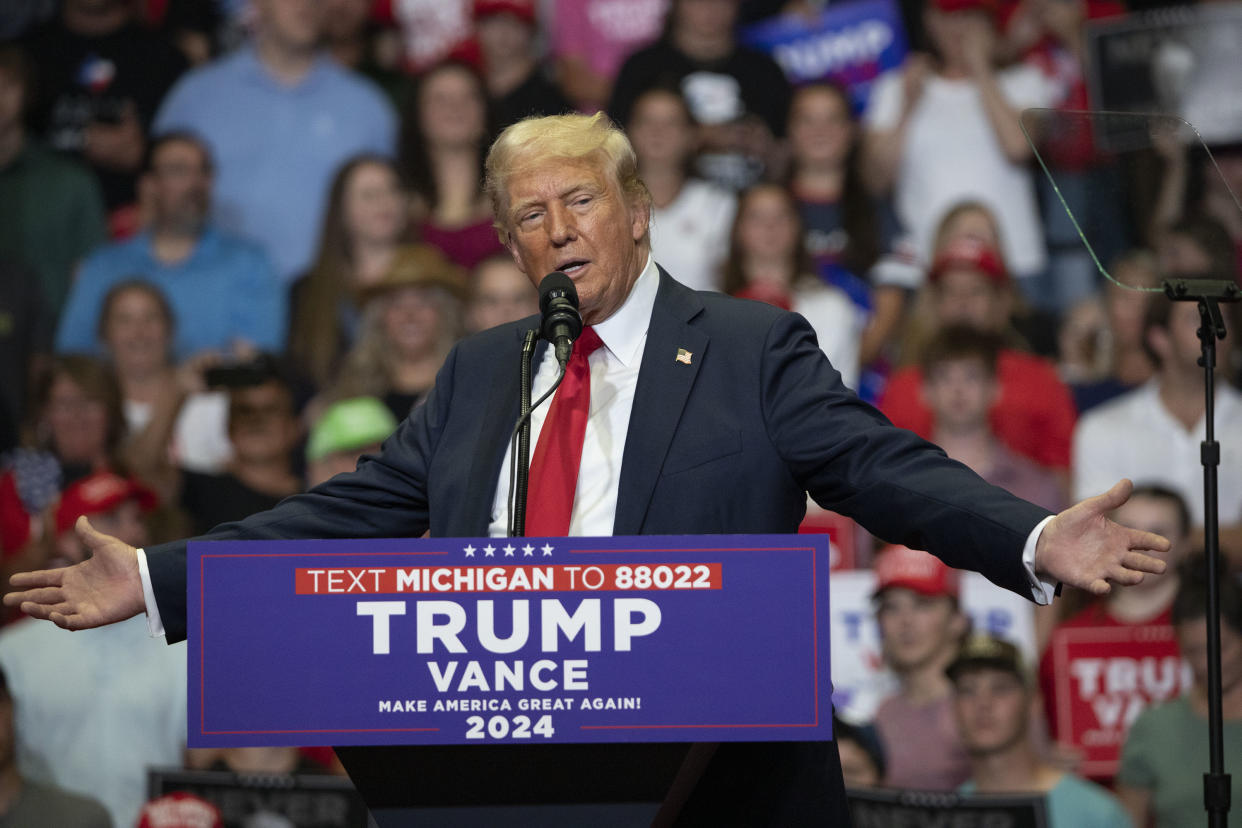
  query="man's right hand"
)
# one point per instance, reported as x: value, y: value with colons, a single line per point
x: 103, y: 589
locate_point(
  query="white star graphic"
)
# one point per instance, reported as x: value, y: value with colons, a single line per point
x: 508, y: 550
x: 489, y: 551
x: 469, y: 550
x: 547, y: 550
x: 528, y: 550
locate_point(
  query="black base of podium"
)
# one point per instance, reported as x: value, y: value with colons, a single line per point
x: 733, y: 783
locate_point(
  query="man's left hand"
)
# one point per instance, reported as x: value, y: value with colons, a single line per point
x: 1083, y: 548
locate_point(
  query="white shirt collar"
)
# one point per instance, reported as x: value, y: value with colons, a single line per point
x: 624, y: 331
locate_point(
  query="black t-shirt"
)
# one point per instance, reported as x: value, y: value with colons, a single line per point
x: 23, y: 333
x: 534, y: 96
x: 212, y: 499
x: 745, y: 81
x: 85, y: 79
x: 743, y: 84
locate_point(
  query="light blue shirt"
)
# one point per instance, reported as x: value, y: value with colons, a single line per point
x: 1077, y: 803
x: 276, y: 147
x: 223, y: 291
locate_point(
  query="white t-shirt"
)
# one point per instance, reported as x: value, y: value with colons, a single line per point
x: 690, y: 237
x: 951, y: 154
x: 200, y: 439
x: 838, y: 325
x: 1135, y: 436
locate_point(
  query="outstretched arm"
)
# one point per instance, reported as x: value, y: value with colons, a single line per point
x: 104, y: 588
x: 1082, y: 547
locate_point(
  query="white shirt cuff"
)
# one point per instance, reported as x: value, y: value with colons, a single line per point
x: 1042, y: 590
x: 155, y: 624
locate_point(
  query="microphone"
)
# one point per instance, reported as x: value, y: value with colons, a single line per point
x: 562, y: 324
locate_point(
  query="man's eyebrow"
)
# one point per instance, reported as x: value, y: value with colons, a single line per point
x: 522, y: 206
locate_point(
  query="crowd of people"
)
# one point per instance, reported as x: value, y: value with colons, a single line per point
x: 238, y: 241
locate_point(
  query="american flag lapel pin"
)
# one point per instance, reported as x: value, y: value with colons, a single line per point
x: 684, y: 356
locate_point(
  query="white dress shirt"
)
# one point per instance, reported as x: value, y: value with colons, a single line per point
x: 614, y: 377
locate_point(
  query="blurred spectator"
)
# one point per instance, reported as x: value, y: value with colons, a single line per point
x: 738, y: 96
x: 410, y: 321
x: 862, y: 761
x: 24, y: 338
x: 101, y: 78
x: 767, y: 261
x: 850, y: 236
x: 445, y: 136
x: 264, y: 430
x: 1135, y: 624
x: 921, y: 628
x: 222, y: 288
x: 75, y: 428
x: 1080, y: 342
x: 343, y: 433
x: 960, y: 387
x: 945, y: 129
x: 193, y: 26
x: 170, y: 415
x: 591, y: 39
x: 1166, y: 753
x: 499, y: 292
x: 1213, y: 195
x: 27, y: 803
x: 690, y: 217
x: 96, y: 708
x: 365, y: 221
x: 1153, y: 433
x: 992, y: 700
x: 1124, y: 358
x: 352, y: 41
x: 295, y: 116
x: 516, y: 82
x: 51, y: 212
x: 1197, y: 246
x: 1034, y: 415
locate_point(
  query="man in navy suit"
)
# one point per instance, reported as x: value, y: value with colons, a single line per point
x: 709, y: 415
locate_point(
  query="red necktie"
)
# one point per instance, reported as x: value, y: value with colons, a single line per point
x: 554, y: 468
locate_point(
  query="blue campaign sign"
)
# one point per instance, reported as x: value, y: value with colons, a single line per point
x: 528, y: 640
x: 849, y: 43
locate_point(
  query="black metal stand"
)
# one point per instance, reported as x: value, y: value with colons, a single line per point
x: 521, y: 464
x: 1209, y: 294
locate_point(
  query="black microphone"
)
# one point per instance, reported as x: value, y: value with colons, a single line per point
x: 562, y: 324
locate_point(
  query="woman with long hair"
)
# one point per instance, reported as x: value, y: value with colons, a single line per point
x: 849, y: 234
x: 768, y: 261
x: 366, y: 219
x: 411, y: 319
x: 445, y: 135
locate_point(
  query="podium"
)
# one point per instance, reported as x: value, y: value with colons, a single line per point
x: 675, y: 680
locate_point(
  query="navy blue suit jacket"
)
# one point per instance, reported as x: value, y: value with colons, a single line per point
x: 729, y: 443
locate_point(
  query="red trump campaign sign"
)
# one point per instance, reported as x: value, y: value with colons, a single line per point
x: 1099, y: 674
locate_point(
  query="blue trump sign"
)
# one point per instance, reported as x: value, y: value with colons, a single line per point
x: 529, y: 640
x: 850, y: 44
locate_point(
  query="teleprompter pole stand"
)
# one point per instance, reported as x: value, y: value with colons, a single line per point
x: 1209, y: 293
x: 517, y: 515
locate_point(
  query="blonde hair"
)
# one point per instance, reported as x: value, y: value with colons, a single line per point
x: 535, y: 141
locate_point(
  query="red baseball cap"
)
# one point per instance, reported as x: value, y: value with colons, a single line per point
x: 921, y: 572
x: 521, y: 9
x: 100, y: 492
x: 972, y: 253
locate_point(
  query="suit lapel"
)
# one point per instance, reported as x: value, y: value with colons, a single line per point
x: 664, y: 383
x: 497, y: 421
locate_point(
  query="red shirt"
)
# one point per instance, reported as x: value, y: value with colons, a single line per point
x: 1034, y: 416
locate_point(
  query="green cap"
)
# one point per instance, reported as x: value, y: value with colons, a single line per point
x: 982, y: 651
x: 349, y: 425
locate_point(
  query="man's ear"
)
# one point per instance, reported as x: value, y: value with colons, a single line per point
x: 514, y: 252
x: 640, y: 211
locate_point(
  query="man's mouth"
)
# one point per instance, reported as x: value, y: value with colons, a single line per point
x: 572, y: 266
